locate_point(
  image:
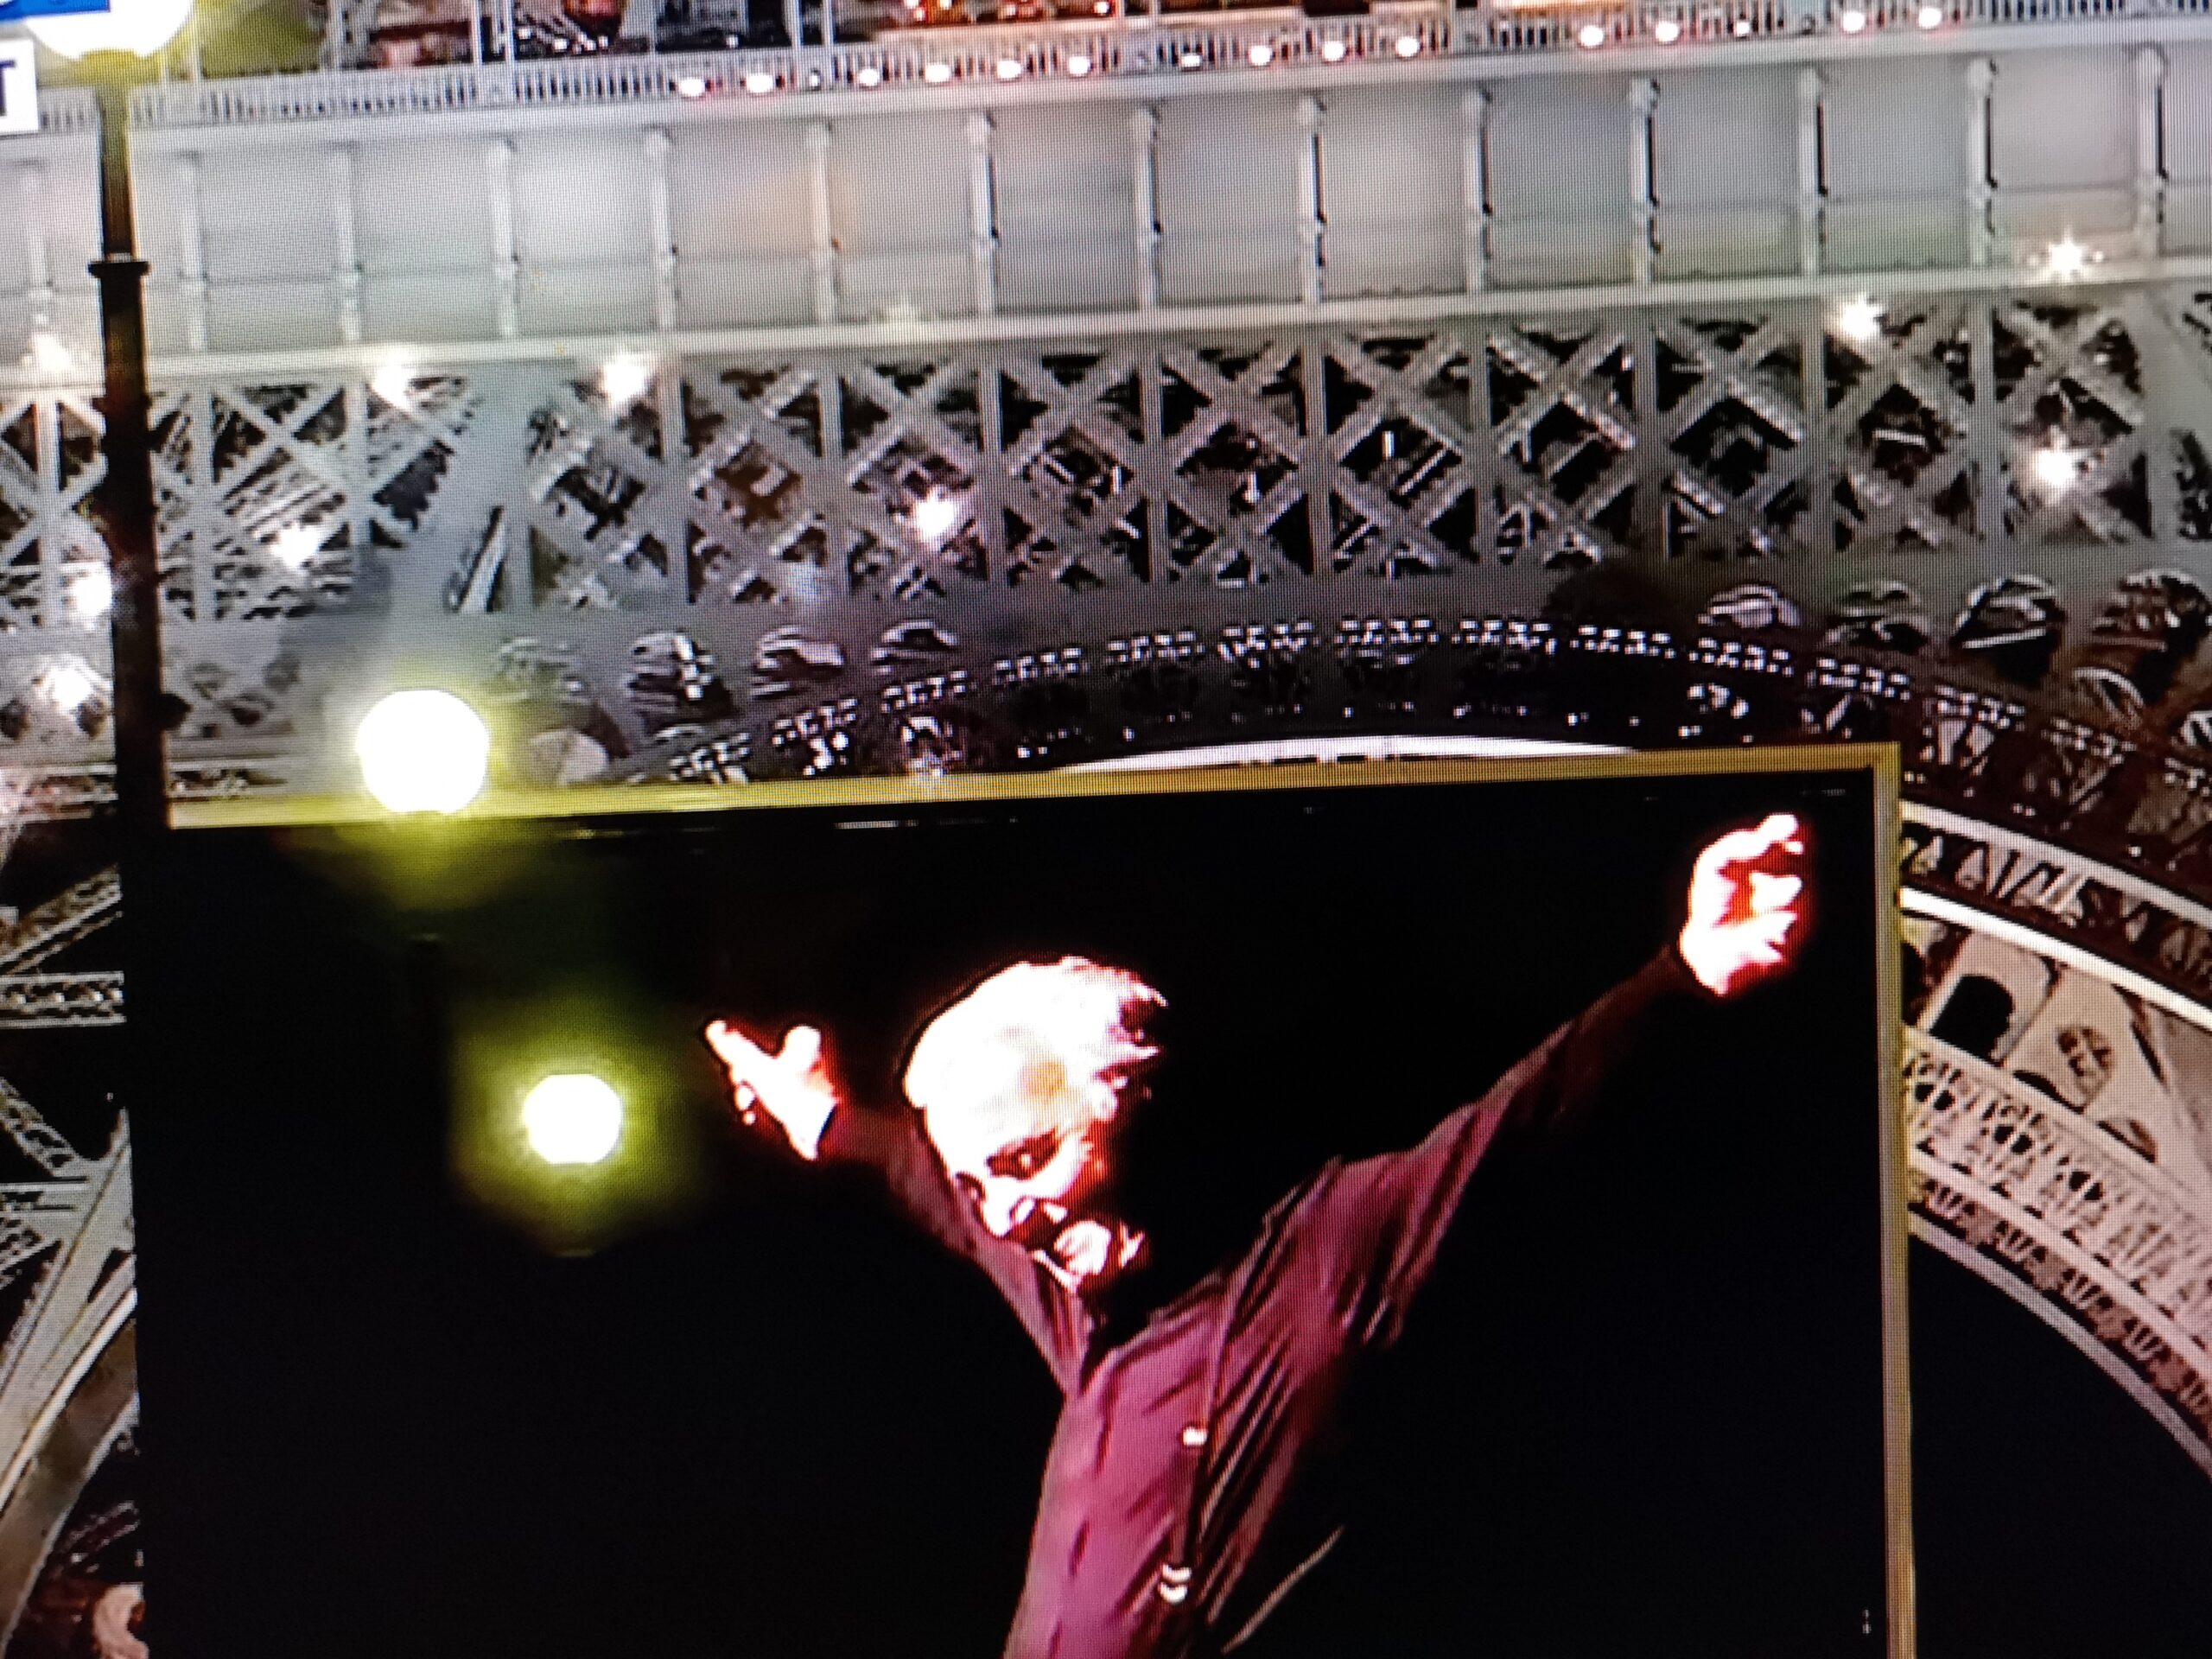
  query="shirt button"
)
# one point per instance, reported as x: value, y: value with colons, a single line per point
x: 1194, y: 1435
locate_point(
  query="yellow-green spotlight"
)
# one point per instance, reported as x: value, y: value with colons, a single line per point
x: 423, y: 752
x: 573, y: 1118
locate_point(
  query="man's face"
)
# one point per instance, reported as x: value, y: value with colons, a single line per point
x: 1032, y: 1154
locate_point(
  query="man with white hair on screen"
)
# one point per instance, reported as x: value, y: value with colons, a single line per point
x: 1198, y: 1468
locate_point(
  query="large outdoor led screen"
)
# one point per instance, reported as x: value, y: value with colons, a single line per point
x: 1320, y: 1210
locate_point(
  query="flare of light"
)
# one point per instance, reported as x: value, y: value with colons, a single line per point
x: 1593, y: 36
x: 295, y: 546
x: 623, y: 379
x: 395, y: 383
x: 691, y: 86
x: 1192, y: 58
x: 1743, y: 28
x: 89, y: 590
x: 1930, y: 17
x: 1667, y: 31
x: 1079, y: 65
x: 869, y: 75
x: 1333, y: 51
x: 2056, y: 467
x: 2066, y: 257
x: 934, y: 515
x: 1859, y: 320
x: 1009, y: 68
x: 1852, y: 21
x: 1261, y: 55
x: 573, y: 1118
x: 48, y: 355
x: 759, y: 83
x: 1407, y: 45
x: 423, y: 751
x: 937, y: 73
x: 70, y: 686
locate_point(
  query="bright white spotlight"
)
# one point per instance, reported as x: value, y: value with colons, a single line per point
x: 1333, y: 51
x: 1192, y: 58
x: 1852, y: 21
x: 937, y: 73
x: 141, y: 28
x: 1930, y: 17
x: 934, y: 515
x: 691, y: 86
x: 395, y: 383
x: 1079, y: 65
x: 2056, y: 467
x: 623, y: 379
x: 1667, y: 31
x: 423, y: 751
x: 1260, y: 55
x: 69, y: 685
x: 1009, y: 69
x: 759, y: 83
x: 88, y: 590
x: 1593, y: 36
x: 48, y: 355
x: 1859, y: 320
x: 869, y: 75
x: 573, y: 1118
x: 1407, y: 45
x: 2066, y: 258
x: 295, y: 546
x: 1743, y: 28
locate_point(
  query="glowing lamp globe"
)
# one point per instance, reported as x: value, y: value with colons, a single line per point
x: 574, y: 1118
x: 423, y: 752
x: 141, y: 28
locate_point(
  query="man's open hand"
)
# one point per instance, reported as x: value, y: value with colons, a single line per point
x: 792, y: 1087
x: 1745, y: 915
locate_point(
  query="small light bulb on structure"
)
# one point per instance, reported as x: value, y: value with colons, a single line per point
x: 573, y: 1119
x: 1009, y: 68
x: 1859, y: 320
x: 1852, y: 21
x: 70, y: 686
x: 2056, y: 467
x: 295, y: 546
x: 937, y: 73
x: 1407, y: 45
x: 1079, y: 65
x: 1593, y: 36
x: 623, y: 379
x: 1743, y: 28
x: 395, y: 383
x: 2066, y: 258
x: 934, y: 515
x: 1260, y: 55
x: 869, y: 75
x: 89, y: 591
x: 691, y: 86
x: 759, y: 83
x: 48, y: 355
x: 1930, y: 17
x: 1667, y: 31
x: 1333, y: 51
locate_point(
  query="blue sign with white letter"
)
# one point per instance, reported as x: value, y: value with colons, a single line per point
x: 14, y: 11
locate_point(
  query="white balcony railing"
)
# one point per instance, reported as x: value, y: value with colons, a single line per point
x: 1240, y: 42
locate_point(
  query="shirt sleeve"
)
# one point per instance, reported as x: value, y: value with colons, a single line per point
x: 1380, y: 1221
x: 892, y: 1144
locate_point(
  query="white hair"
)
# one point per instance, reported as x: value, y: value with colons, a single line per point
x: 1064, y: 1034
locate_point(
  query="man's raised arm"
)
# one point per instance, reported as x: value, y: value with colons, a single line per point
x: 1384, y: 1218
x: 792, y: 1094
